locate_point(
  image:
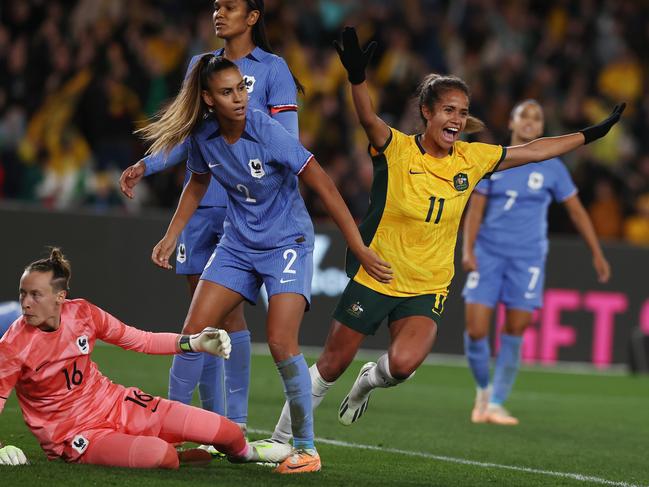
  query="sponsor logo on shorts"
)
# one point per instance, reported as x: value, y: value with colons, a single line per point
x: 284, y: 281
x: 181, y: 255
x: 80, y: 444
x: 461, y: 181
x: 355, y: 309
x: 82, y: 343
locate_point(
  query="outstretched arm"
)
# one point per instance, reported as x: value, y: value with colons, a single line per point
x: 319, y: 181
x: 549, y: 147
x: 472, y: 221
x: 355, y: 61
x: 189, y: 200
x: 582, y: 222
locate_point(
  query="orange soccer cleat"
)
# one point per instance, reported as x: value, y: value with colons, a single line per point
x: 302, y: 460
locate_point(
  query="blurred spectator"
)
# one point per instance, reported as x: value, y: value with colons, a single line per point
x: 77, y: 77
x: 636, y: 227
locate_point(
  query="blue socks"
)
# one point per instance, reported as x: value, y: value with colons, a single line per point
x: 297, y: 389
x: 507, y: 365
x: 477, y: 353
x: 211, y: 385
x: 184, y: 375
x: 237, y: 377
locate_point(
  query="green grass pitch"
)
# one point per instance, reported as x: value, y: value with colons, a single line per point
x: 576, y: 429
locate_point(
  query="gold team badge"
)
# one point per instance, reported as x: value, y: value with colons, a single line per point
x: 461, y: 181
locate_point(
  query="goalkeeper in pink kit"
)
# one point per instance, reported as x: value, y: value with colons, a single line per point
x: 78, y: 414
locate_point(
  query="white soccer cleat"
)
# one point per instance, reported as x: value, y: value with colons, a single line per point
x: 350, y: 412
x: 496, y: 414
x: 212, y: 451
x: 270, y: 451
x: 479, y: 412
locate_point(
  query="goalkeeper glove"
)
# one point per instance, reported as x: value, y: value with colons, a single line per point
x: 598, y: 131
x: 12, y: 455
x: 211, y: 340
x: 353, y: 57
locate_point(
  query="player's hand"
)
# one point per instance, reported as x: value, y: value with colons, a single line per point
x: 469, y: 262
x: 213, y: 341
x: 376, y: 267
x: 598, y: 131
x: 602, y: 268
x: 12, y: 455
x: 162, y: 251
x: 352, y: 56
x: 131, y: 177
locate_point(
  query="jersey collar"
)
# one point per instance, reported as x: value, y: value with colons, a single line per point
x: 255, y: 55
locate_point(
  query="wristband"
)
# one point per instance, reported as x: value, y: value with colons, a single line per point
x: 184, y: 344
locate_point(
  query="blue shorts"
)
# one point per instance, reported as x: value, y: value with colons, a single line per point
x: 198, y: 239
x: 515, y: 282
x: 284, y: 270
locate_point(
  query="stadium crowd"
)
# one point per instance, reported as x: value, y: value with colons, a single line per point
x: 77, y: 77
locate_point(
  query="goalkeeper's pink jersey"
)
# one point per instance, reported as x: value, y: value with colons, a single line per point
x: 60, y: 390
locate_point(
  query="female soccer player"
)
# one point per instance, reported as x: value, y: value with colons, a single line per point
x: 505, y: 254
x: 271, y: 87
x: 78, y: 414
x: 421, y: 185
x: 268, y: 234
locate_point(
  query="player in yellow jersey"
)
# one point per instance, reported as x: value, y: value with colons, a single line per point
x: 421, y: 185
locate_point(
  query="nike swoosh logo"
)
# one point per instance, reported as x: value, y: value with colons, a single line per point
x: 232, y: 391
x: 40, y: 366
x: 284, y: 281
x: 412, y: 172
x: 530, y: 295
x: 155, y: 408
x: 214, y: 165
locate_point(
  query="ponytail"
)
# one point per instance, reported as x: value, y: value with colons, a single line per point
x: 177, y: 121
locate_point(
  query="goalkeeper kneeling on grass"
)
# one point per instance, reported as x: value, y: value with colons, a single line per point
x: 78, y: 414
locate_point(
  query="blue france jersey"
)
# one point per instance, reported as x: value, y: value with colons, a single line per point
x: 515, y: 222
x: 270, y: 88
x: 259, y: 174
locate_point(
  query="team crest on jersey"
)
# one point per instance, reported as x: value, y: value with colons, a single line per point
x: 181, y: 255
x: 461, y: 181
x: 80, y: 444
x: 84, y: 346
x: 535, y: 181
x: 355, y: 309
x: 256, y: 168
x: 250, y: 83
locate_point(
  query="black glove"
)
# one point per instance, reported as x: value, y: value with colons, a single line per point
x: 353, y: 57
x: 598, y: 131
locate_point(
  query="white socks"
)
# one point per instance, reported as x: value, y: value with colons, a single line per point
x: 319, y: 388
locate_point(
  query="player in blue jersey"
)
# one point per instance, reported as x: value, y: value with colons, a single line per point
x: 271, y: 88
x: 504, y: 250
x: 9, y: 312
x: 268, y: 235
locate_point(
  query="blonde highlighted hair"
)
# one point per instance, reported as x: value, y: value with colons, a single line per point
x: 432, y: 88
x: 174, y: 123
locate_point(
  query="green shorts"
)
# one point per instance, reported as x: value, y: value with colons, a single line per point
x: 363, y: 309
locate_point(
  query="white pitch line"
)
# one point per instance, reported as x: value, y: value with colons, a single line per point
x: 463, y: 461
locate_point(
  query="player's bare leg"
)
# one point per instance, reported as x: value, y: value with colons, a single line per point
x: 412, y: 339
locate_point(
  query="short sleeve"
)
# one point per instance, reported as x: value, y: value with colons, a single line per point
x: 286, y: 149
x: 393, y: 147
x: 281, y: 89
x: 563, y: 187
x: 195, y: 161
x: 483, y: 186
x: 10, y: 369
x: 487, y: 156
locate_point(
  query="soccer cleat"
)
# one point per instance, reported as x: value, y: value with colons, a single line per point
x: 479, y: 412
x: 271, y: 451
x: 496, y: 414
x: 212, y: 451
x: 302, y: 460
x: 350, y: 412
